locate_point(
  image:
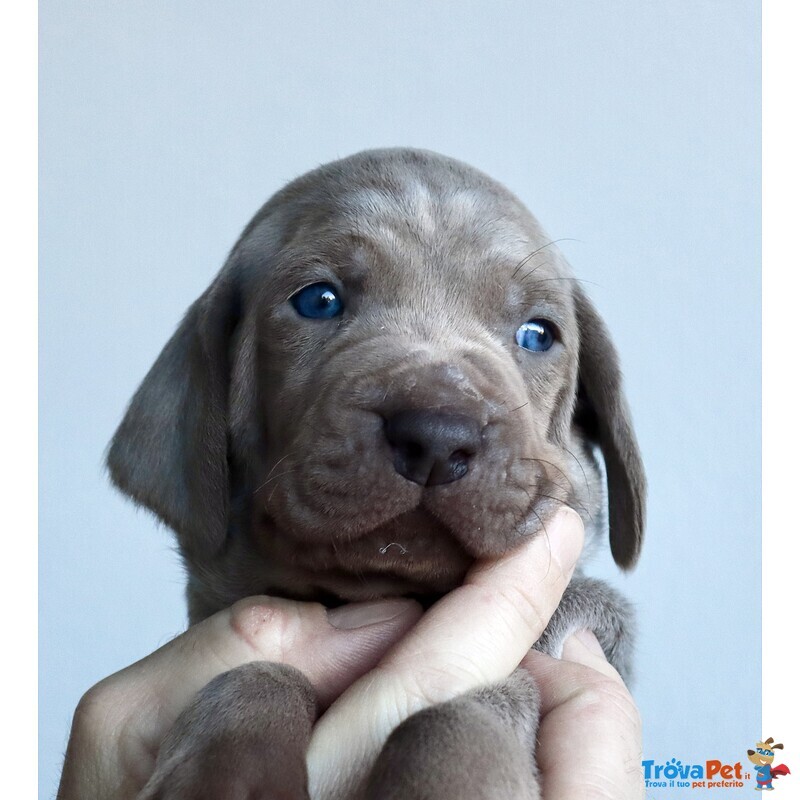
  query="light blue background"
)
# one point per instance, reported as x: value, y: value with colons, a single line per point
x: 631, y: 126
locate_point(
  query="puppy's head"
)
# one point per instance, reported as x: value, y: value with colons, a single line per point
x: 393, y: 374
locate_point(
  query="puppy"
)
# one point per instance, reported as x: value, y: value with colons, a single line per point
x: 393, y: 374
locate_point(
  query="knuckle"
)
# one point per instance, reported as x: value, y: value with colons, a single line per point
x: 99, y: 710
x: 440, y: 682
x: 609, y: 698
x: 524, y: 606
x: 266, y: 627
x: 439, y: 677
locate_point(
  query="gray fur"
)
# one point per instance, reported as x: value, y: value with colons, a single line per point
x: 479, y: 746
x: 259, y: 436
x: 216, y: 748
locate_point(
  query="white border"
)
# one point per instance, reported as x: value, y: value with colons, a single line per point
x: 781, y: 442
x: 18, y: 414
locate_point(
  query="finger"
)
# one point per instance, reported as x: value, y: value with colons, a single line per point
x: 331, y: 648
x: 582, y: 647
x: 589, y: 739
x: 477, y: 634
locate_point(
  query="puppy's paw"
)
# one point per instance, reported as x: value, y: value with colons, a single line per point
x: 243, y: 738
x: 594, y: 605
x: 476, y: 747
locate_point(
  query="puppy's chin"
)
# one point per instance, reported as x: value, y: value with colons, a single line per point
x: 412, y: 555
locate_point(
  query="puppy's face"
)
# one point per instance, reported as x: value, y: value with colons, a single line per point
x: 382, y: 385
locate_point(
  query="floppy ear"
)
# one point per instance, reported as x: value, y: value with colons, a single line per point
x: 170, y: 453
x: 604, y: 413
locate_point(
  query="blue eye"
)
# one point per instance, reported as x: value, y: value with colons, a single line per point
x: 318, y: 301
x: 536, y: 334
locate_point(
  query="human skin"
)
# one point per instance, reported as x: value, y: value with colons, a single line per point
x: 374, y: 664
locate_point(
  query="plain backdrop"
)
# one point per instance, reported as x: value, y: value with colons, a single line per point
x: 629, y: 126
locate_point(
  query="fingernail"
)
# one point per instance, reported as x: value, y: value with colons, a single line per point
x: 565, y: 533
x: 359, y: 615
x: 579, y: 645
x: 589, y: 641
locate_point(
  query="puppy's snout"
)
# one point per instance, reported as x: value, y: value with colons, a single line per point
x: 431, y: 447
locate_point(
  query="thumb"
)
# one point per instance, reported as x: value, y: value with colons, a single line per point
x: 474, y: 636
x: 332, y: 648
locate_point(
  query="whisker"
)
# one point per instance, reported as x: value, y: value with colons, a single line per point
x: 528, y: 274
x: 568, y: 278
x: 583, y: 471
x: 546, y: 536
x: 569, y: 505
x: 533, y: 511
x: 274, y: 467
x: 552, y: 292
x: 539, y: 250
x: 544, y: 461
x: 274, y: 488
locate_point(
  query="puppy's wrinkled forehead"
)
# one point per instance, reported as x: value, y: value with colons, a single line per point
x: 413, y: 211
x: 434, y: 217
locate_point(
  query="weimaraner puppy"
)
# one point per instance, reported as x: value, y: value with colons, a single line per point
x: 393, y: 353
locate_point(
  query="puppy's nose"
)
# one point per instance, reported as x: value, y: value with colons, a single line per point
x: 432, y: 447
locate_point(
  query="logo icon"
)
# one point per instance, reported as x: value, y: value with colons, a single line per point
x: 762, y: 757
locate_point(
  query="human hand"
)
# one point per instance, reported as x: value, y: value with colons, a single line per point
x: 476, y: 635
x: 120, y: 723
x: 590, y: 733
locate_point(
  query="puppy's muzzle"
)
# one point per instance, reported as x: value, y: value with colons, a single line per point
x: 432, y: 448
